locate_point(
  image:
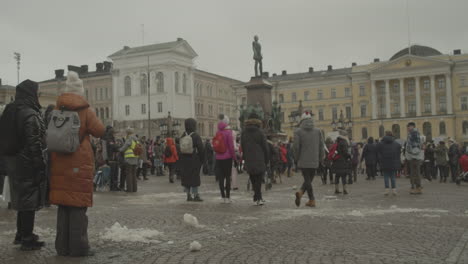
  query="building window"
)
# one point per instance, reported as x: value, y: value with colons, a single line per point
x: 106, y: 94
x: 411, y: 86
x: 281, y: 98
x: 364, y: 133
x: 96, y: 94
x: 348, y: 112
x: 363, y: 110
x: 97, y: 112
x: 333, y: 93
x: 362, y: 90
x: 463, y: 81
x: 427, y: 105
x: 381, y: 131
x: 396, y: 108
x: 347, y: 92
x: 442, y: 104
x: 306, y: 96
x: 127, y: 86
x: 101, y: 113
x: 442, y: 128
x: 334, y: 113
x: 176, y: 82
x: 211, y: 127
x: 320, y: 114
x: 101, y: 93
x: 143, y: 109
x: 160, y: 107
x: 396, y: 88
x: 396, y: 130
x: 465, y: 127
x: 127, y: 110
x: 293, y: 97
x: 160, y: 82
x: 107, y: 112
x: 87, y: 95
x: 143, y: 84
x: 244, y: 100
x: 426, y: 85
x: 412, y: 107
x: 441, y: 82
x: 320, y: 94
x: 464, y: 103
x: 184, y: 83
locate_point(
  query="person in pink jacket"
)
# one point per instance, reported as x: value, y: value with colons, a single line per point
x: 224, y: 160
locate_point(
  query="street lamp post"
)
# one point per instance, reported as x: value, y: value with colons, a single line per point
x: 18, y: 60
x: 170, y: 127
x: 342, y: 123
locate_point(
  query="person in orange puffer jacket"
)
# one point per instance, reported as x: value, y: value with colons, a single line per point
x: 170, y: 157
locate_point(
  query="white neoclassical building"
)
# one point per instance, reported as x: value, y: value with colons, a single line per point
x: 170, y: 70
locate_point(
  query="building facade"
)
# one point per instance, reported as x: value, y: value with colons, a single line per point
x: 422, y: 85
x: 7, y: 93
x: 97, y: 85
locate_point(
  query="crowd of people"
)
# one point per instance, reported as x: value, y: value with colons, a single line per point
x: 61, y: 156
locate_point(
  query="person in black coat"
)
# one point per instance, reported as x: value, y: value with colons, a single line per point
x: 26, y: 168
x: 388, y: 152
x: 255, y: 153
x: 190, y: 164
x: 369, y: 154
x: 209, y: 158
x: 429, y: 162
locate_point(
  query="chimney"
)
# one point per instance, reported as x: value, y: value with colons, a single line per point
x: 311, y: 69
x: 84, y: 68
x: 376, y: 60
x: 274, y: 74
x: 99, y: 67
x: 126, y: 47
x: 180, y: 39
x: 266, y: 74
x: 74, y: 68
x: 457, y: 52
x: 284, y: 72
x: 330, y: 68
x: 353, y: 64
x: 107, y: 66
x: 59, y: 74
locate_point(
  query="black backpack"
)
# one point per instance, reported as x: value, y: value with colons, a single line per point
x: 168, y: 152
x: 8, y: 133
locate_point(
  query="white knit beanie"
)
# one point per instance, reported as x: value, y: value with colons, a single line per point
x: 74, y: 84
x: 306, y: 115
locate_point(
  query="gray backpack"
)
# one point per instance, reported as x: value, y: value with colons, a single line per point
x: 63, y: 131
x: 186, y: 144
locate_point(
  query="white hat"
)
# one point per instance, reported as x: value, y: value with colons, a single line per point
x: 74, y: 84
x: 306, y: 115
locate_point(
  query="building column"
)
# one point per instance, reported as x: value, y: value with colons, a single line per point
x: 448, y: 84
x: 374, y: 100
x: 433, y: 95
x: 418, y: 97
x: 387, y: 99
x: 402, y: 98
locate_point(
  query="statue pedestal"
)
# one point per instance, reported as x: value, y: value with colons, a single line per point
x: 259, y: 91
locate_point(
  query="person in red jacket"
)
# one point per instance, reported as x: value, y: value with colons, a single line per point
x: 170, y: 157
x: 464, y: 166
x: 283, y: 158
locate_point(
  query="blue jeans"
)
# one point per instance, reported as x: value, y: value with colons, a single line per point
x: 193, y: 190
x: 389, y: 175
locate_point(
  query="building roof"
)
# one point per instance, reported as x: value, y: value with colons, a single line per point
x: 7, y: 87
x: 82, y: 76
x: 416, y: 50
x: 217, y: 75
x: 307, y: 75
x: 166, y: 46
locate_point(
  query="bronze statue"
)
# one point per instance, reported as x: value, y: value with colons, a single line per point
x: 257, y: 56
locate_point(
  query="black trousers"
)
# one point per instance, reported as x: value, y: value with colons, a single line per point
x: 114, y: 175
x: 308, y: 175
x: 339, y: 176
x: 327, y: 171
x: 454, y: 171
x: 72, y: 231
x: 256, y: 180
x: 123, y: 177
x: 443, y: 171
x: 25, y: 224
x: 223, y: 173
x: 371, y: 171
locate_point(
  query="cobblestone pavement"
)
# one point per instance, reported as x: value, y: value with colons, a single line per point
x: 363, y: 227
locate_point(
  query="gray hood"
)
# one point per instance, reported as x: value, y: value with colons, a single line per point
x: 307, y: 124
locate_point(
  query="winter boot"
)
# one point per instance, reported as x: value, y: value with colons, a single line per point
x: 197, y: 198
x: 344, y: 189
x: 298, y: 197
x: 31, y: 243
x: 337, y: 189
x: 189, y: 197
x: 387, y: 192
x: 310, y: 203
x: 17, y: 240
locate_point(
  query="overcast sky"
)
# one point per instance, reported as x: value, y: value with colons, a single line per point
x: 51, y: 34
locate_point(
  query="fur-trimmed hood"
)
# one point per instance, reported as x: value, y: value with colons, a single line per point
x: 253, y: 122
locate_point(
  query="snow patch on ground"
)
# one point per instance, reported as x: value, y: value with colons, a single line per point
x: 247, y: 218
x: 191, y: 220
x: 430, y: 215
x: 356, y: 213
x: 195, y: 246
x: 119, y: 233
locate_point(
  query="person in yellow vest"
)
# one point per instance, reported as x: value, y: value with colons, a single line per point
x: 131, y: 160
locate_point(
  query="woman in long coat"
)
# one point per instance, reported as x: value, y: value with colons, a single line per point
x: 71, y: 182
x: 190, y: 164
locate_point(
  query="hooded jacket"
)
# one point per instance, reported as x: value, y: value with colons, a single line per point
x: 369, y: 153
x: 26, y: 168
x: 254, y: 147
x: 388, y: 152
x: 308, y: 145
x: 174, y: 157
x: 190, y: 164
x: 71, y: 180
x: 414, y: 141
x: 228, y: 142
x: 441, y: 155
